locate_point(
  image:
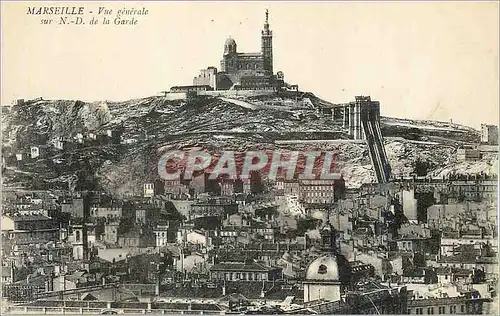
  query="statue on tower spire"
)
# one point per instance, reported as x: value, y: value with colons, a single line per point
x: 266, y: 23
x: 267, y: 46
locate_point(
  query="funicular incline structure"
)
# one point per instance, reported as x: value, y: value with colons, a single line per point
x: 361, y: 121
x: 370, y: 122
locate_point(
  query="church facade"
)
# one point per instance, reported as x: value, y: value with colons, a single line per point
x: 243, y: 71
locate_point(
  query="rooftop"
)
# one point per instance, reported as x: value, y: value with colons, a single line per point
x: 239, y: 266
x: 250, y: 54
x: 437, y: 301
x: 20, y: 218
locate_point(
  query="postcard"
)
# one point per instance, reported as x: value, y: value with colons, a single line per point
x: 175, y: 157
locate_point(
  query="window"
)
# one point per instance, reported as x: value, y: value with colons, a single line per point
x: 453, y: 309
x: 322, y: 269
x: 441, y: 310
x: 430, y: 310
x: 409, y: 311
x: 462, y: 308
x: 419, y: 310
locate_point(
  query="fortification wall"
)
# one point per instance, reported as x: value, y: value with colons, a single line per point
x: 237, y: 93
x: 175, y: 96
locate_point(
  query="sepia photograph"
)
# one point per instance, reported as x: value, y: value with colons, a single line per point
x: 249, y: 157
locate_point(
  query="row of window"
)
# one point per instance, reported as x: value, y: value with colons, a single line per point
x: 318, y: 194
x: 440, y: 310
x: 228, y: 234
x: 473, y: 188
x: 406, y: 245
x: 244, y: 276
x: 317, y: 188
x: 113, y: 214
x: 38, y: 225
x: 33, y: 235
x: 248, y: 66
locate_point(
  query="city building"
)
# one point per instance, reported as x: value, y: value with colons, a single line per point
x: 29, y: 229
x: 469, y: 303
x: 244, y: 271
x: 468, y: 154
x: 489, y: 134
x: 164, y: 234
x: 316, y: 191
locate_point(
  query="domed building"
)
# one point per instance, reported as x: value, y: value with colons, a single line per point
x: 230, y: 46
x: 247, y: 66
x: 242, y: 71
x: 328, y: 275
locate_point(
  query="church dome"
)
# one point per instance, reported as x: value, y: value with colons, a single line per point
x: 324, y: 268
x: 230, y: 46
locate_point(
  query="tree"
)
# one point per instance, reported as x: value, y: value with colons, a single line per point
x: 305, y: 224
x: 421, y: 168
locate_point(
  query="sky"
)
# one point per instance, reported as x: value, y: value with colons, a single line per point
x: 421, y: 60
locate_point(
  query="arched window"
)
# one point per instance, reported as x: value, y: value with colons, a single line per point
x: 322, y: 269
x: 77, y: 235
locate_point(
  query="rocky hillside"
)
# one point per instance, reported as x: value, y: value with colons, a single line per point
x: 150, y: 125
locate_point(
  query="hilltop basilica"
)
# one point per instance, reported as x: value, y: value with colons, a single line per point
x: 240, y: 71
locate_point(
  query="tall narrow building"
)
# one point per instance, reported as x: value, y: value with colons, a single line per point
x: 267, y: 46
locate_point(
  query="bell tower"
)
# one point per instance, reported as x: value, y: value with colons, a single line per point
x: 267, y: 46
x: 329, y: 242
x: 329, y: 239
x: 79, y: 241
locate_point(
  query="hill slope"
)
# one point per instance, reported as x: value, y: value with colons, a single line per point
x: 151, y: 124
